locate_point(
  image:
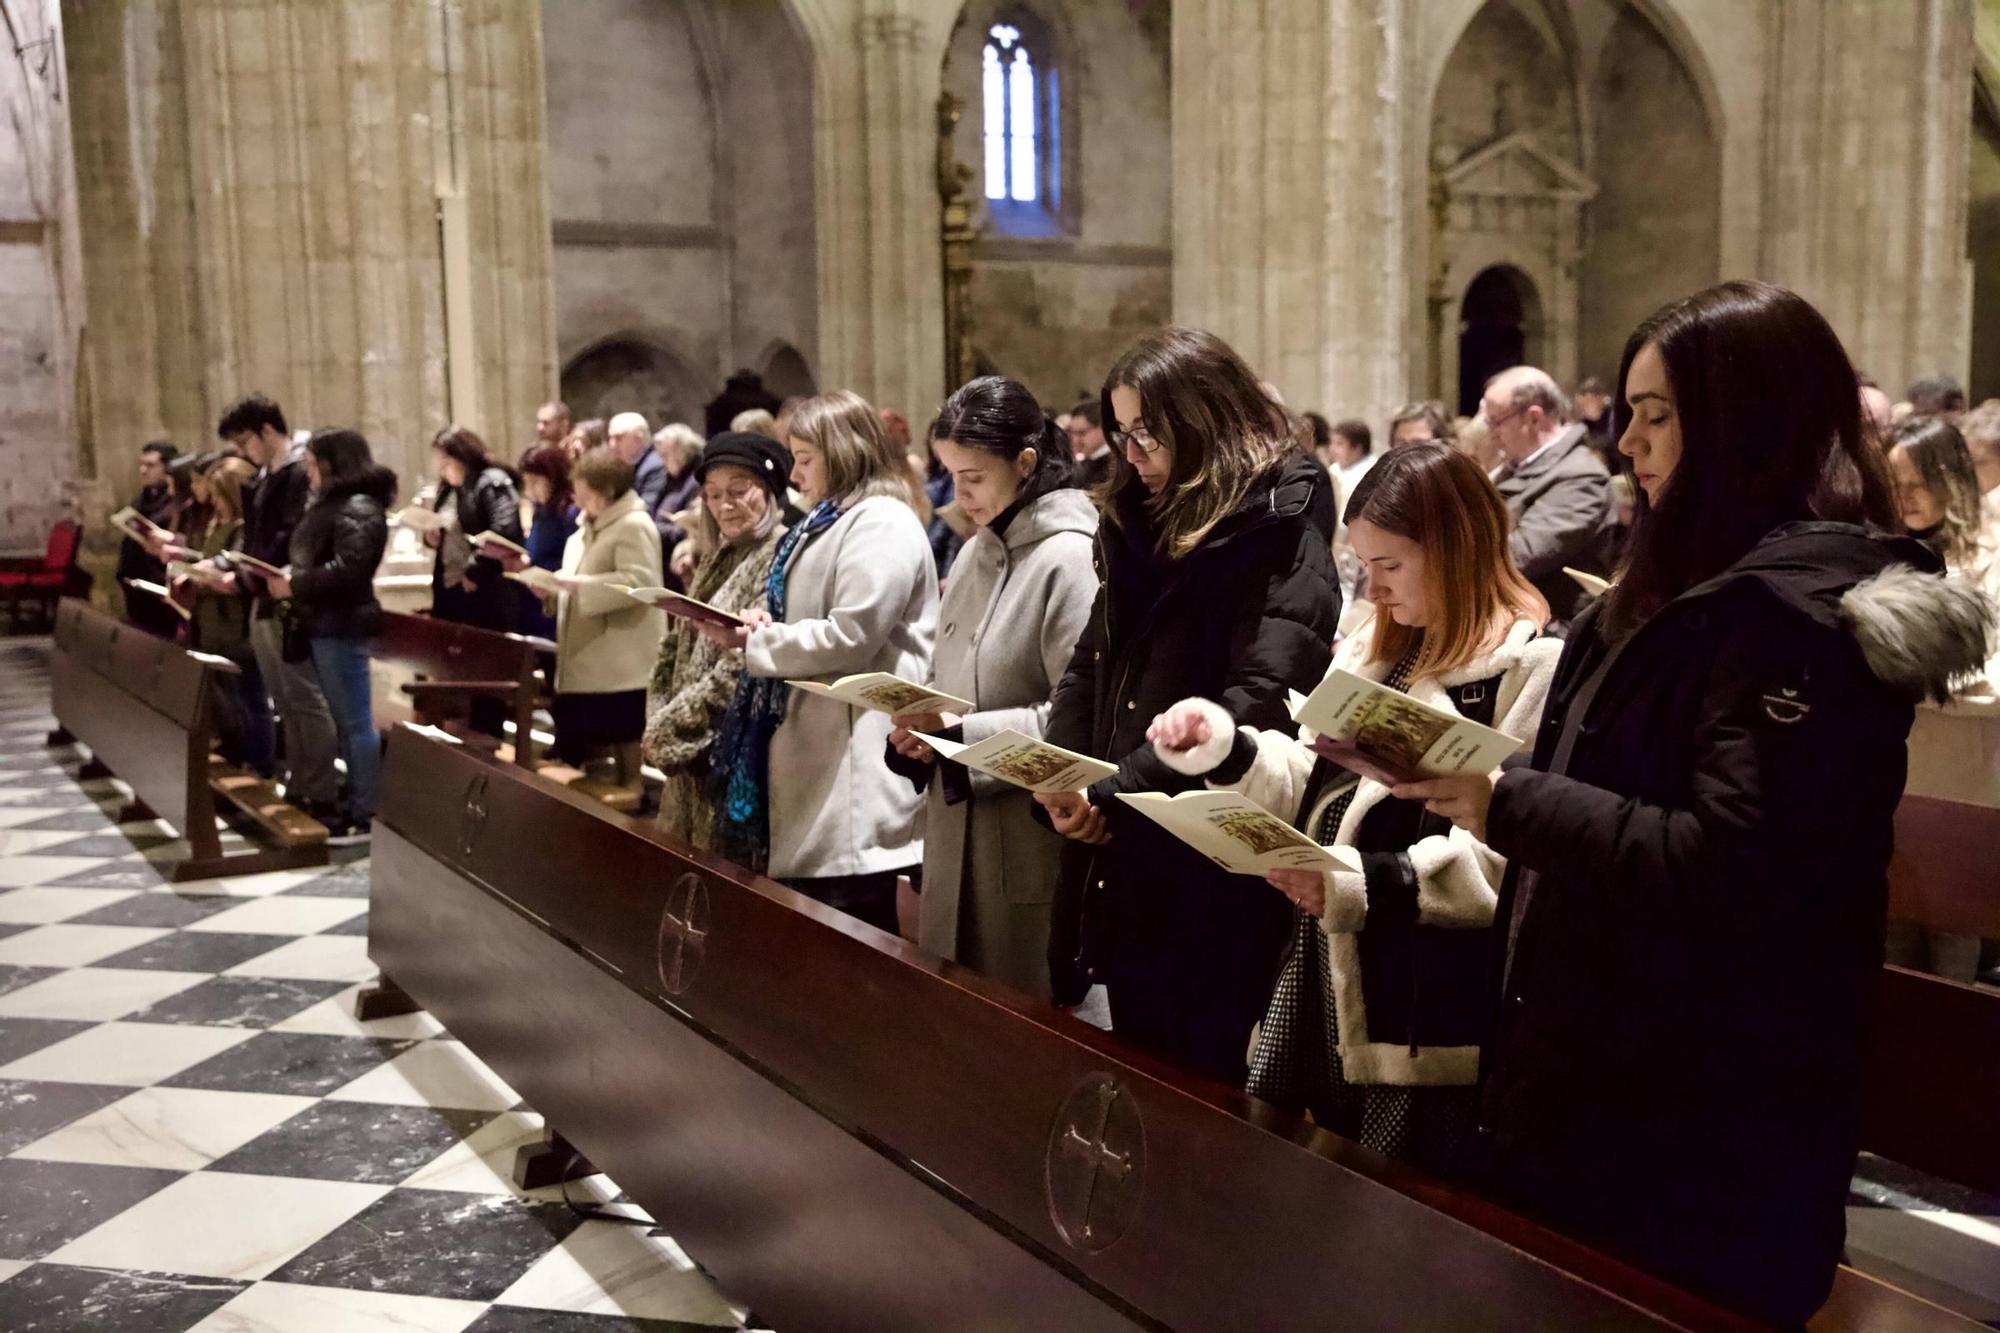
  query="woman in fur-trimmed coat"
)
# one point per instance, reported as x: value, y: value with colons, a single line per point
x: 1385, y: 999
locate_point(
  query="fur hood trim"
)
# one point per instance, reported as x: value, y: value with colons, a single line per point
x: 1920, y: 633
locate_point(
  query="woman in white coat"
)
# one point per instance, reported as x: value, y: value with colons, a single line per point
x: 1020, y: 593
x: 1385, y: 999
x: 852, y: 589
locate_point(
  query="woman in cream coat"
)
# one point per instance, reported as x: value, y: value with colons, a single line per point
x: 606, y: 642
x: 1385, y: 1000
x: 852, y: 589
x: 1020, y: 592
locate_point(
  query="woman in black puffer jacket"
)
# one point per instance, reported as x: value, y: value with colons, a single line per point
x: 1698, y: 852
x: 479, y: 495
x: 335, y: 550
x: 1216, y: 568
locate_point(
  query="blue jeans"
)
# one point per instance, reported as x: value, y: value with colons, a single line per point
x: 342, y: 665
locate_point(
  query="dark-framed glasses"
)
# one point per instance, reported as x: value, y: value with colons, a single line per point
x: 1138, y: 437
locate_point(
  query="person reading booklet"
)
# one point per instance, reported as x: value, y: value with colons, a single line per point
x: 493, y: 544
x: 1236, y: 833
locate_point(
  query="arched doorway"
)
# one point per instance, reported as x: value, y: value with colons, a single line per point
x: 631, y: 373
x: 1498, y: 323
x: 786, y: 373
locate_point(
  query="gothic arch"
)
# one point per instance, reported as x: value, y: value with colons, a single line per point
x: 785, y: 371
x: 636, y: 370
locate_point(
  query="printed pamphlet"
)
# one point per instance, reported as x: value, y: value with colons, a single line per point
x: 1016, y: 757
x: 1238, y: 834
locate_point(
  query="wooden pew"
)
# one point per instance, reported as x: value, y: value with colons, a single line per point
x: 851, y: 1134
x: 1934, y: 1063
x: 427, y: 670
x: 145, y: 707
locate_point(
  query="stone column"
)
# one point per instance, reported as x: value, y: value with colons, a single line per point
x: 1289, y: 199
x: 876, y: 72
x: 273, y: 222
x: 1866, y: 212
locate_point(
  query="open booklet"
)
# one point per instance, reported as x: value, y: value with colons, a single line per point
x: 1236, y: 833
x: 261, y: 568
x: 541, y: 580
x: 686, y: 607
x: 1594, y: 584
x: 204, y: 575
x: 483, y: 539
x: 885, y: 694
x: 1016, y: 757
x: 419, y: 519
x: 1384, y: 734
x: 159, y: 590
x: 137, y: 526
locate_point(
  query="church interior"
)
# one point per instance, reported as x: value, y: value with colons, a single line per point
x: 524, y: 1063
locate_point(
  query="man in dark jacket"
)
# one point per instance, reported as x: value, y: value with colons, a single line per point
x: 1189, y: 953
x: 1676, y: 1065
x: 1557, y: 489
x: 273, y: 502
x: 154, y: 502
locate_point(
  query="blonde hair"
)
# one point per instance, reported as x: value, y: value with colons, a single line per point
x: 755, y: 421
x: 860, y: 458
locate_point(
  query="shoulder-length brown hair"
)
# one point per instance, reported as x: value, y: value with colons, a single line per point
x: 1437, y: 497
x: 860, y: 458
x: 1200, y: 400
x: 1770, y: 434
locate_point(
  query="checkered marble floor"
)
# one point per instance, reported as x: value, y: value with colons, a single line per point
x: 195, y: 1133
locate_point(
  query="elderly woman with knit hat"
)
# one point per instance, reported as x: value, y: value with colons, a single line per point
x: 742, y: 479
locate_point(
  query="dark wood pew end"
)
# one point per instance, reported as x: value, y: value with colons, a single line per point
x: 551, y: 1162
x: 384, y: 999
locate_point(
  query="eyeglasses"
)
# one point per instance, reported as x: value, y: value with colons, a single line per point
x: 737, y: 496
x: 1504, y: 417
x: 1138, y: 436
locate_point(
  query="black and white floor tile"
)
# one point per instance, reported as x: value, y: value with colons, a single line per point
x: 196, y: 1133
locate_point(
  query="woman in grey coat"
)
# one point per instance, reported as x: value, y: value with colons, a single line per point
x: 1019, y: 595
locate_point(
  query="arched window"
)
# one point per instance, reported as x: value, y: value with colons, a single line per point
x: 1020, y: 111
x: 1013, y: 149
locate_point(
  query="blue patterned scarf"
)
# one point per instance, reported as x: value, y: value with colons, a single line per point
x: 739, y: 770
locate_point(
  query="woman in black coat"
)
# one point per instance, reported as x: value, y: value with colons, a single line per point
x: 467, y: 585
x: 1698, y: 851
x: 1217, y: 580
x: 334, y: 553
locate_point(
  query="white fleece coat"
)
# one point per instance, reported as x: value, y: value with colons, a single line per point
x: 862, y: 595
x: 1458, y: 877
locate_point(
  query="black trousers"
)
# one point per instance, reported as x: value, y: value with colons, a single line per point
x: 870, y: 898
x: 1197, y: 1025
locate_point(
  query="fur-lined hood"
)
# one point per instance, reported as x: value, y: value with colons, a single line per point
x: 1920, y: 633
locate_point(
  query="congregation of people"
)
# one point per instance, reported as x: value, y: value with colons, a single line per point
x: 1619, y: 983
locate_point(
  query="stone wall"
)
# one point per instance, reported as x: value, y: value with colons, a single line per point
x: 680, y: 151
x: 1984, y: 247
x: 1054, y: 310
x: 39, y: 300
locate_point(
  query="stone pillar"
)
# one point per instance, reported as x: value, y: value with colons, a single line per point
x: 876, y: 75
x: 1289, y: 199
x: 261, y: 182
x: 1866, y: 214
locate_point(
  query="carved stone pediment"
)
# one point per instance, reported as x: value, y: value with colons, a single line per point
x: 1516, y: 166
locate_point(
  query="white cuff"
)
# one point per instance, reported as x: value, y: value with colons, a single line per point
x: 1346, y: 902
x: 1208, y: 755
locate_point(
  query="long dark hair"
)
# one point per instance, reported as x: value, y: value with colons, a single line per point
x: 1770, y: 433
x: 1199, y: 399
x: 998, y: 416
x: 463, y: 444
x: 344, y: 458
x: 550, y: 462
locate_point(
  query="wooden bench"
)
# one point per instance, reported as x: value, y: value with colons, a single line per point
x: 145, y: 708
x: 851, y: 1134
x: 426, y: 670
x: 1934, y: 1063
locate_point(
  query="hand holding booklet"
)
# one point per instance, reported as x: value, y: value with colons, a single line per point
x: 1238, y: 834
x: 885, y: 694
x: 1384, y: 734
x: 1016, y: 757
x: 687, y: 608
x: 419, y: 519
